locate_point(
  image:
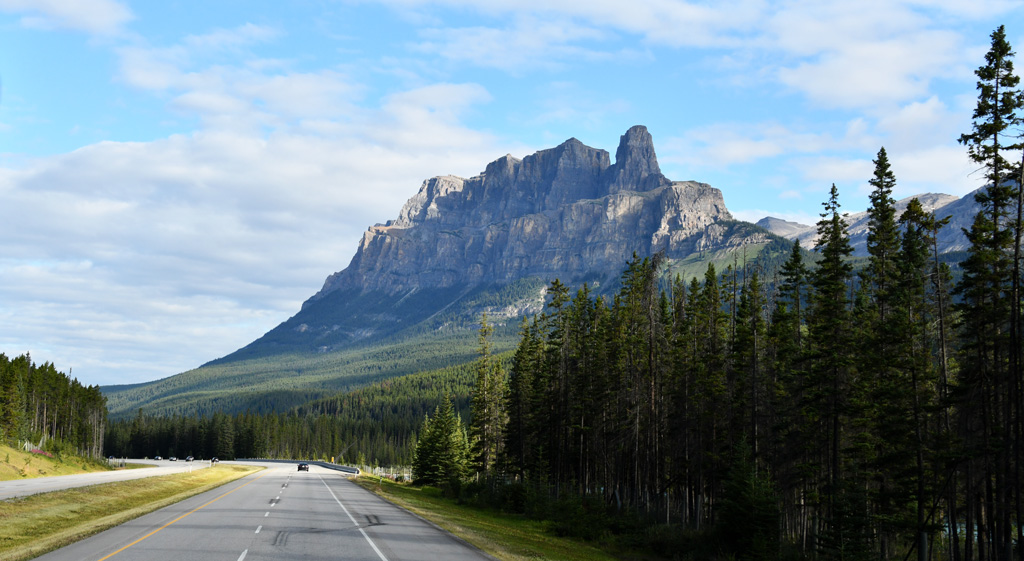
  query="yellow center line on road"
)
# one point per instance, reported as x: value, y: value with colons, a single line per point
x: 182, y: 516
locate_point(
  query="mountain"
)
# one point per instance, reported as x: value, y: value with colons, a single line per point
x: 784, y: 228
x: 951, y: 238
x: 565, y: 213
x: 459, y: 247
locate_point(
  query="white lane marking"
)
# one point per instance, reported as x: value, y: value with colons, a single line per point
x: 277, y: 498
x: 259, y: 528
x: 339, y: 502
x: 242, y: 556
x: 267, y: 514
x: 381, y: 555
x: 361, y: 531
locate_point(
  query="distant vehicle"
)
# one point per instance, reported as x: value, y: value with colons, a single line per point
x: 303, y: 467
x: 189, y: 459
x: 158, y: 458
x: 173, y: 458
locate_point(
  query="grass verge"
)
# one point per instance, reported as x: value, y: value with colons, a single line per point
x: 19, y: 464
x: 507, y: 537
x: 31, y: 526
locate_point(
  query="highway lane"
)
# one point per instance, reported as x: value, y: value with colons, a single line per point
x: 278, y: 513
x: 24, y: 487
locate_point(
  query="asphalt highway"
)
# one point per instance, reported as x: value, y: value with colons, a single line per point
x: 279, y: 513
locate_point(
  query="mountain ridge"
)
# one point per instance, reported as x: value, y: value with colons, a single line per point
x: 951, y: 238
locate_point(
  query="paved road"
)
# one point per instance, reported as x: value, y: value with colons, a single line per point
x: 23, y: 487
x: 275, y: 514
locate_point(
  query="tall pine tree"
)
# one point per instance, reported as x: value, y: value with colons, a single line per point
x: 489, y: 412
x: 829, y: 380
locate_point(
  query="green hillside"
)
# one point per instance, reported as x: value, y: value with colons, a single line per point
x: 347, y: 319
x: 282, y: 382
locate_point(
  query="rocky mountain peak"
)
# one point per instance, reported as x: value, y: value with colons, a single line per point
x: 636, y: 164
x: 564, y: 212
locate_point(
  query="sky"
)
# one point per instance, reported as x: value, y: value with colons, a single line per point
x: 177, y: 177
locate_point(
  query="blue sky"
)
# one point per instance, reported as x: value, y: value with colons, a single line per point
x: 177, y: 177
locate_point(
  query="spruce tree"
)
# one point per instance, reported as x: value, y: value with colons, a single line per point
x: 792, y: 291
x: 442, y: 453
x: 550, y: 382
x: 995, y: 134
x: 995, y: 117
x: 520, y: 441
x: 883, y: 239
x: 883, y: 396
x: 749, y: 350
x: 489, y: 412
x: 829, y: 328
x: 916, y: 314
x: 990, y: 293
x: 989, y: 329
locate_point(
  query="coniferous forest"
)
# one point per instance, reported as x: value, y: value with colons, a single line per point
x: 813, y: 410
x: 50, y: 410
x: 374, y: 425
x: 842, y: 414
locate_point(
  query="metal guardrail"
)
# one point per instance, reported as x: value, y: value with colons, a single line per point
x: 336, y: 467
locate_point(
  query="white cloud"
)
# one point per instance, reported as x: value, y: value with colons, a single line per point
x: 922, y: 124
x: 838, y: 54
x: 668, y: 22
x: 531, y: 43
x: 945, y: 169
x: 161, y: 68
x: 569, y: 104
x: 727, y: 144
x: 100, y: 17
x: 977, y: 9
x: 826, y: 170
x: 230, y: 39
x: 207, y: 102
x: 151, y: 69
x: 877, y: 72
x: 177, y: 251
x: 242, y: 92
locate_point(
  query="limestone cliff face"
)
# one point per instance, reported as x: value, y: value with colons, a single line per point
x: 562, y: 212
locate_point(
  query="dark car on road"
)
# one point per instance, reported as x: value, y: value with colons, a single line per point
x: 303, y: 467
